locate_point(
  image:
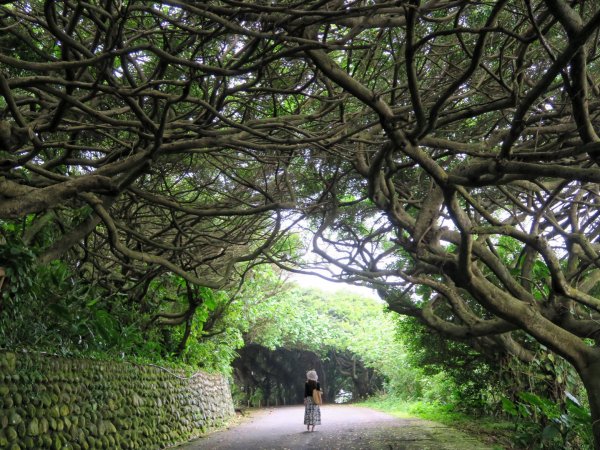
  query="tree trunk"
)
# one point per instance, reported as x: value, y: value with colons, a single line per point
x: 591, y: 379
x: 2, y: 277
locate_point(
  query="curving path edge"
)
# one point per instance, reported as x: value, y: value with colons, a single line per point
x: 344, y: 427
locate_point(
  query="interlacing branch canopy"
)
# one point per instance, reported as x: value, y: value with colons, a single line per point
x: 444, y: 151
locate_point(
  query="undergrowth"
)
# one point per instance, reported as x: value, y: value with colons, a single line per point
x: 494, y: 432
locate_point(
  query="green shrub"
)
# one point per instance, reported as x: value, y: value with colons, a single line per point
x: 543, y: 424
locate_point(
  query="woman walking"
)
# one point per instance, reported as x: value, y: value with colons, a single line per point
x: 312, y: 411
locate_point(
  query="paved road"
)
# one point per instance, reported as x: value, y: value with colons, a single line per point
x: 344, y: 427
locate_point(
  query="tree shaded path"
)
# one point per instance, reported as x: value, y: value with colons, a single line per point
x: 344, y: 427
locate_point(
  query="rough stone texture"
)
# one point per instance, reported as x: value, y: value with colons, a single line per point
x: 49, y: 402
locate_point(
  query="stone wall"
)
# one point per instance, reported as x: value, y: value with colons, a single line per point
x: 48, y: 402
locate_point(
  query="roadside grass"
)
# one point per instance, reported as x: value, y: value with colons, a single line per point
x: 489, y: 430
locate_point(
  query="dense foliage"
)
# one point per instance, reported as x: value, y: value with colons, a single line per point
x: 51, y: 308
x: 352, y: 333
x: 540, y: 404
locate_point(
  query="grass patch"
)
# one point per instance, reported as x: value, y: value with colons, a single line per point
x: 487, y: 429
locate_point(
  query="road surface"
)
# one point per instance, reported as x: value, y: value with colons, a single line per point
x: 344, y: 427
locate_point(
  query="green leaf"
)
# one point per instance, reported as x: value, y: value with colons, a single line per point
x: 509, y: 407
x: 531, y: 398
x: 547, y: 407
x: 60, y: 310
x: 578, y: 413
x: 550, y: 432
x: 210, y: 303
x: 92, y: 302
x: 106, y: 325
x: 571, y: 398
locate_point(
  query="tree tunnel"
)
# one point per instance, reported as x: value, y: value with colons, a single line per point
x: 265, y: 377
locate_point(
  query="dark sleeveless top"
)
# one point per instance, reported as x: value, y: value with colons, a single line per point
x: 308, y: 389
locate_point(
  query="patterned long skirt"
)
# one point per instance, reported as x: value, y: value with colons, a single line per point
x: 312, y: 413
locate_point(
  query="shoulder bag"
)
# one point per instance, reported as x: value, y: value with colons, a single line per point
x: 316, y: 396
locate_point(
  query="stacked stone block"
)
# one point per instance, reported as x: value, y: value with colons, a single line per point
x: 48, y: 402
